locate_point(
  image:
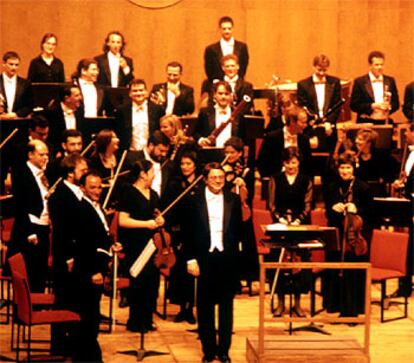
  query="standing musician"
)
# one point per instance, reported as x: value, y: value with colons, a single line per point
x: 344, y: 291
x: 64, y: 205
x: 319, y: 93
x: 30, y: 233
x: 408, y: 106
x: 174, y: 96
x: 290, y: 202
x: 137, y: 225
x: 138, y: 118
x: 375, y: 96
x: 115, y: 69
x: 211, y: 117
x: 214, y: 218
x: 15, y: 96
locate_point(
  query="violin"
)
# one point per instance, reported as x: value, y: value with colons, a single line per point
x: 165, y: 257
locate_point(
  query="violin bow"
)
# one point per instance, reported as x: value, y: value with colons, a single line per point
x: 4, y: 142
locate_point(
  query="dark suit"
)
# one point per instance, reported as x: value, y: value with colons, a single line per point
x: 22, y: 104
x: 184, y: 103
x: 57, y: 123
x: 269, y: 161
x: 124, y: 122
x: 213, y: 55
x: 363, y: 96
x: 219, y: 271
x: 206, y: 123
x: 101, y: 101
x: 104, y: 77
x: 408, y: 106
x: 28, y: 200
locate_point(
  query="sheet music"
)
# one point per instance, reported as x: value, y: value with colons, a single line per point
x: 142, y: 259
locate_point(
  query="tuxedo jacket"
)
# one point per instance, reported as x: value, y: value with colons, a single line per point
x: 363, y: 96
x: 184, y: 103
x: 213, y: 55
x: 269, y: 161
x: 307, y: 96
x: 124, y: 122
x: 199, y: 230
x: 22, y: 104
x: 206, y: 123
x: 101, y: 102
x: 27, y: 200
x: 57, y: 123
x: 104, y: 77
x: 408, y: 107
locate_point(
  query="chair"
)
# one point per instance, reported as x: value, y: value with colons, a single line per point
x: 18, y: 265
x: 388, y: 258
x: 27, y: 317
x: 5, y: 280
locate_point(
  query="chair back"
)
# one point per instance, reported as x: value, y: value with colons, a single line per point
x: 21, y: 292
x: 17, y: 264
x: 318, y: 217
x: 389, y: 250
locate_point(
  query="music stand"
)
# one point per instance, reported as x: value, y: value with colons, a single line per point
x: 210, y: 154
x: 91, y: 126
x: 253, y: 129
x: 45, y: 93
x: 393, y: 211
x: 384, y: 139
x: 116, y: 96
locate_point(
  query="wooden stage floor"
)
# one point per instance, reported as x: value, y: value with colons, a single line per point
x: 390, y: 342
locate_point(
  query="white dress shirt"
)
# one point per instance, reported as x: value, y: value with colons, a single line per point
x: 320, y: 87
x: 215, y: 208
x: 378, y: 87
x: 170, y: 100
x: 156, y: 183
x: 232, y: 82
x: 69, y: 116
x: 90, y: 98
x: 227, y: 47
x: 140, y: 126
x: 43, y: 220
x: 113, y: 61
x: 10, y: 85
x: 220, y: 118
x: 290, y: 140
x: 410, y: 161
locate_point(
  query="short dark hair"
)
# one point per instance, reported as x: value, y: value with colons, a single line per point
x: 10, y: 55
x: 39, y: 121
x: 225, y: 58
x: 139, y: 166
x: 375, y: 54
x: 66, y: 91
x: 175, y: 64
x: 157, y: 138
x: 347, y: 157
x: 321, y: 60
x: 235, y: 142
x: 70, y: 133
x: 69, y: 162
x: 84, y: 65
x: 102, y: 140
x: 45, y: 38
x: 137, y: 82
x: 222, y: 83
x: 115, y: 32
x: 290, y: 153
x: 84, y: 177
x: 225, y: 19
x: 210, y: 166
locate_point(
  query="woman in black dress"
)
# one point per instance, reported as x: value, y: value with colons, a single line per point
x: 290, y: 203
x: 46, y: 68
x: 137, y: 206
x: 344, y: 291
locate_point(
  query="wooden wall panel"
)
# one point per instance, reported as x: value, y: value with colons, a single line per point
x: 283, y: 36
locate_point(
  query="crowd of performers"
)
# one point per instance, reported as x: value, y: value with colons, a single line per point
x: 69, y: 192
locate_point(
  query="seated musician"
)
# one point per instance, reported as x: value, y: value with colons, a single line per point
x: 347, y: 197
x: 174, y: 96
x: 290, y: 202
x: 318, y: 94
x: 212, y: 117
x: 46, y: 68
x: 408, y: 106
x: 374, y: 96
x: 15, y: 96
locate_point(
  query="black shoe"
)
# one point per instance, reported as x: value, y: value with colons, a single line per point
x: 124, y: 302
x: 207, y: 359
x: 180, y: 317
x: 297, y: 310
x: 279, y: 311
x: 151, y: 327
x: 189, y: 317
x: 224, y: 359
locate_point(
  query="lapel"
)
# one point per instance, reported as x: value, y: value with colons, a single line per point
x: 237, y: 47
x: 368, y: 87
x: 19, y: 90
x: 314, y: 97
x: 328, y: 95
x: 211, y: 120
x: 218, y: 50
x: 3, y: 92
x: 106, y: 67
x: 227, y: 209
x: 204, y: 212
x: 99, y: 98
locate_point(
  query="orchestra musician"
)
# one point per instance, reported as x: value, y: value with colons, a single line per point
x: 214, y: 218
x: 137, y: 225
x: 319, y: 93
x: 115, y: 69
x: 375, y: 96
x: 344, y: 291
x: 227, y: 45
x: 290, y: 202
x: 15, y: 94
x: 174, y: 96
x: 46, y: 68
x: 138, y: 118
x: 408, y: 106
x: 211, y: 117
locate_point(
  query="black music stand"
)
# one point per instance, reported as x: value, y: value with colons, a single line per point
x: 385, y: 132
x: 44, y: 94
x: 253, y: 129
x: 210, y: 154
x: 392, y: 211
x: 116, y: 96
x: 92, y: 125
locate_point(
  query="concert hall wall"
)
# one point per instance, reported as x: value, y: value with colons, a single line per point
x: 283, y: 36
